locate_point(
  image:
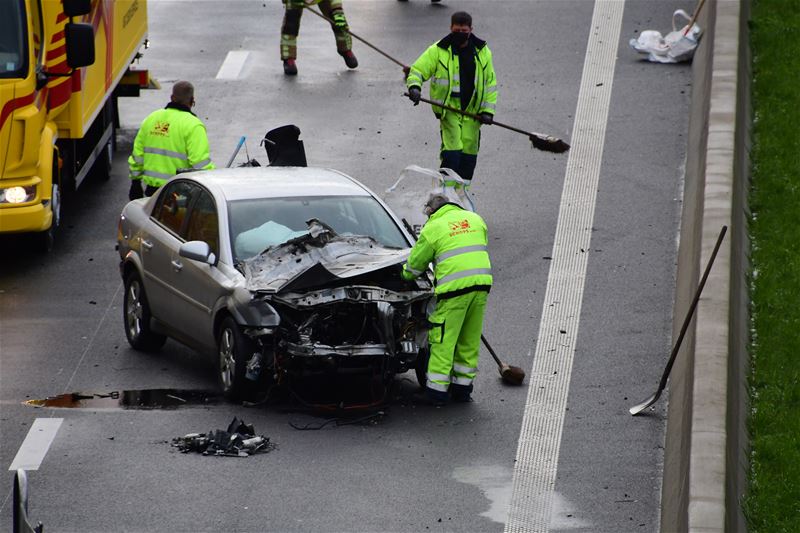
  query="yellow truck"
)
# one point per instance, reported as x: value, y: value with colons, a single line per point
x: 63, y: 64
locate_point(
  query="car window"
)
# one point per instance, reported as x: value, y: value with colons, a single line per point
x: 173, y: 201
x: 203, y: 222
x: 257, y: 224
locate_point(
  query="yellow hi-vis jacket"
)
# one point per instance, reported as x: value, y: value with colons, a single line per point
x: 439, y: 64
x: 169, y: 139
x: 456, y: 241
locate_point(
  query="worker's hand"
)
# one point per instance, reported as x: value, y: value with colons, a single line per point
x: 485, y: 118
x: 136, y: 190
x: 414, y: 94
x: 406, y: 71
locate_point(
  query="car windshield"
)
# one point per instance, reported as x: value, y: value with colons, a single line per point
x: 13, y: 52
x: 260, y: 223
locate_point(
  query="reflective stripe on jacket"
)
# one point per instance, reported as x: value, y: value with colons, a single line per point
x: 456, y: 241
x: 439, y: 64
x: 169, y: 139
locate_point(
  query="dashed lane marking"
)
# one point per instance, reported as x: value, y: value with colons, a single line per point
x: 38, y: 440
x: 543, y: 421
x: 232, y: 66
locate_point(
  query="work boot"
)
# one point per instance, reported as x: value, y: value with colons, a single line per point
x: 350, y: 59
x: 429, y: 397
x: 289, y: 67
x: 461, y: 393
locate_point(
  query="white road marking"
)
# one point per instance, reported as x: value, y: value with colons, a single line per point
x: 543, y: 421
x: 233, y: 64
x: 33, y: 449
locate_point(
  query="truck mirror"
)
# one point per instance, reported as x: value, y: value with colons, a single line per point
x: 80, y: 44
x: 76, y: 8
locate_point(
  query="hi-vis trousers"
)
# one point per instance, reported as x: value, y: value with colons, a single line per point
x: 455, y: 338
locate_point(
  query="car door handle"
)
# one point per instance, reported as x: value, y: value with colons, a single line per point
x: 147, y: 244
x: 177, y: 266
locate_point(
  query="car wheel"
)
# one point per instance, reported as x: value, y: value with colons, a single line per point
x: 421, y: 366
x: 137, y: 317
x: 234, y: 349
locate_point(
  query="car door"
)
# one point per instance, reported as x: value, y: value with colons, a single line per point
x: 197, y: 285
x: 161, y: 239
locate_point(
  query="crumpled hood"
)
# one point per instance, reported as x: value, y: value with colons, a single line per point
x: 317, y: 259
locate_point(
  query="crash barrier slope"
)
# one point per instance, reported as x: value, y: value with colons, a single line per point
x: 705, y: 453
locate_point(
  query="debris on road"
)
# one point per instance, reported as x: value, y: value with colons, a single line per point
x: 675, y: 47
x: 239, y: 440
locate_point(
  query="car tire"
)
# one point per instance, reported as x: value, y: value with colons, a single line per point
x: 136, y: 317
x: 234, y: 349
x: 421, y: 366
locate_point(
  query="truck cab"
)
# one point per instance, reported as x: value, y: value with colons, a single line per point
x: 61, y: 66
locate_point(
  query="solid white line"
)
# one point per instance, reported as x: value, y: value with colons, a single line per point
x: 543, y: 421
x: 33, y: 449
x: 233, y: 64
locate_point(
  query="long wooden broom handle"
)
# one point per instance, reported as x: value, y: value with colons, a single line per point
x: 476, y: 117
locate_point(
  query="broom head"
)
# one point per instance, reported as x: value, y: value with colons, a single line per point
x: 513, y: 375
x: 548, y: 143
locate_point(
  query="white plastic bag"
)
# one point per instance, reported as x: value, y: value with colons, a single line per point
x: 674, y: 47
x: 409, y: 193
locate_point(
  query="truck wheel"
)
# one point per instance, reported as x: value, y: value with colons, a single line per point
x: 46, y: 239
x: 234, y: 349
x: 101, y: 169
x: 137, y: 317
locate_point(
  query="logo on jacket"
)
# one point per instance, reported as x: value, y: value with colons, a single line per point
x: 460, y: 225
x: 161, y: 129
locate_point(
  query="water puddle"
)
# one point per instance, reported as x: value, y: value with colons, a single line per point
x: 495, y: 481
x: 129, y: 399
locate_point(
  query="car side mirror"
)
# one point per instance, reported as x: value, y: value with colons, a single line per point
x: 197, y: 251
x: 79, y: 38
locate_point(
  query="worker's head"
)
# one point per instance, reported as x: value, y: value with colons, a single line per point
x: 460, y: 28
x: 183, y: 93
x: 435, y: 201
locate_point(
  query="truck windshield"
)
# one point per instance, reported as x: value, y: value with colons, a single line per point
x: 13, y: 46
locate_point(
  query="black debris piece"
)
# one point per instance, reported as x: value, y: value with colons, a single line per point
x: 239, y: 440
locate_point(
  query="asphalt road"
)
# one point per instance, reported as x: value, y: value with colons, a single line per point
x: 414, y: 468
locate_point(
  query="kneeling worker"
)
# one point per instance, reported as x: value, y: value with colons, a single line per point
x: 169, y: 139
x: 456, y: 241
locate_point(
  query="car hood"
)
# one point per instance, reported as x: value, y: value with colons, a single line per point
x: 319, y: 258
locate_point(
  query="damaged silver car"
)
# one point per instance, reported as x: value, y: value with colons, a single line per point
x: 278, y: 271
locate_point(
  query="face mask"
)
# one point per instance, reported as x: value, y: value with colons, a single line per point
x: 458, y: 38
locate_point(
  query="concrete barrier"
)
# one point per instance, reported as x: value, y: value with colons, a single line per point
x: 705, y: 455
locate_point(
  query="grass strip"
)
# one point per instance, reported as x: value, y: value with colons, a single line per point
x: 773, y: 499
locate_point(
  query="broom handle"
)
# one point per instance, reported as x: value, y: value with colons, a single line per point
x: 491, y: 351
x: 694, y: 17
x: 476, y: 117
x: 384, y: 54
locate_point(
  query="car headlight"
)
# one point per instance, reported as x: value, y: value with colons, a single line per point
x: 17, y: 195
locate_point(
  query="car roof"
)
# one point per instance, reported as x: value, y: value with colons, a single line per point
x: 279, y: 182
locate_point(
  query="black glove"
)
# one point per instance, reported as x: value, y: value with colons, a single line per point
x: 136, y: 190
x: 485, y: 118
x: 414, y: 95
